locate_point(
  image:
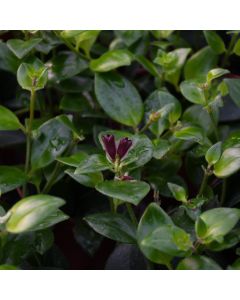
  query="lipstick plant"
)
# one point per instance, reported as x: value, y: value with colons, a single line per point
x: 122, y: 144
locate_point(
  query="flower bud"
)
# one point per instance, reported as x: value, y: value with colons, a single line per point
x: 123, y: 147
x: 109, y: 145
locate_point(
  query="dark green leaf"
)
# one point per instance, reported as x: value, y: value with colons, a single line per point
x: 89, y: 180
x: 197, y: 262
x: 234, y: 89
x: 11, y: 178
x: 21, y: 48
x: 126, y: 191
x: 114, y: 226
x: 8, y: 120
x: 93, y: 163
x: 119, y: 98
x: 214, y: 41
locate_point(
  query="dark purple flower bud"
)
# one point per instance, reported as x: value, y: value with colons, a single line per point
x: 126, y: 178
x: 123, y: 147
x: 110, y: 145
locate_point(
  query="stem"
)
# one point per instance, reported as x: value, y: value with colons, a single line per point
x: 203, y: 184
x: 132, y: 214
x: 215, y: 129
x: 29, y: 135
x: 145, y: 127
x: 223, y: 193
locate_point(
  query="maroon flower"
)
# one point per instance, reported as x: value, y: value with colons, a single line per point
x: 123, y: 147
x: 110, y: 145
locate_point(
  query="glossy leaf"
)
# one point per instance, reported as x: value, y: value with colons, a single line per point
x: 156, y: 101
x: 193, y: 92
x: 33, y: 213
x: 8, y: 120
x: 111, y: 60
x: 126, y: 191
x: 214, y: 41
x: 88, y: 180
x: 119, y: 98
x: 197, y: 262
x: 200, y: 63
x: 49, y: 141
x: 11, y: 178
x: 213, y: 224
x: 67, y: 64
x: 213, y: 154
x: 178, y: 192
x: 93, y: 163
x: 234, y: 89
x: 32, y: 75
x: 190, y: 133
x: 228, y: 163
x: 216, y: 73
x: 21, y: 48
x: 73, y: 160
x: 114, y: 226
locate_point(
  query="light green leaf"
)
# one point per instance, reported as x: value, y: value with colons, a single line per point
x: 178, y: 192
x: 217, y: 222
x: 197, y: 262
x: 216, y: 73
x: 190, y: 133
x: 8, y: 120
x: 88, y: 180
x: 34, y: 213
x: 228, y: 163
x: 73, y: 160
x: 93, y: 163
x: 213, y: 154
x: 111, y: 60
x: 192, y: 92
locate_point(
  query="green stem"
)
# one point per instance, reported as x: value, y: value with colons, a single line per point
x: 145, y: 127
x: 215, y: 129
x: 223, y: 193
x: 29, y: 135
x: 132, y: 214
x: 203, y: 184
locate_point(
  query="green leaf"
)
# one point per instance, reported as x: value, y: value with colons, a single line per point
x: 218, y: 222
x: 8, y: 267
x: 8, y: 61
x: 8, y: 120
x: 139, y: 154
x: 192, y: 92
x: 44, y: 241
x: 126, y: 191
x: 21, y: 48
x: 88, y: 180
x: 67, y: 64
x: 216, y: 73
x: 129, y: 37
x: 156, y: 101
x: 161, y: 147
x: 49, y: 141
x: 190, y: 133
x: 147, y: 65
x: 73, y: 160
x: 33, y: 213
x: 197, y: 262
x: 119, y: 98
x: 179, y: 193
x: 93, y: 163
x: 11, y: 178
x: 234, y: 89
x: 74, y: 103
x: 214, y: 41
x: 228, y: 163
x: 32, y: 75
x: 236, y: 49
x: 199, y: 64
x: 114, y: 226
x: 111, y: 60
x: 213, y: 154
x: 169, y: 239
x: 153, y: 218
